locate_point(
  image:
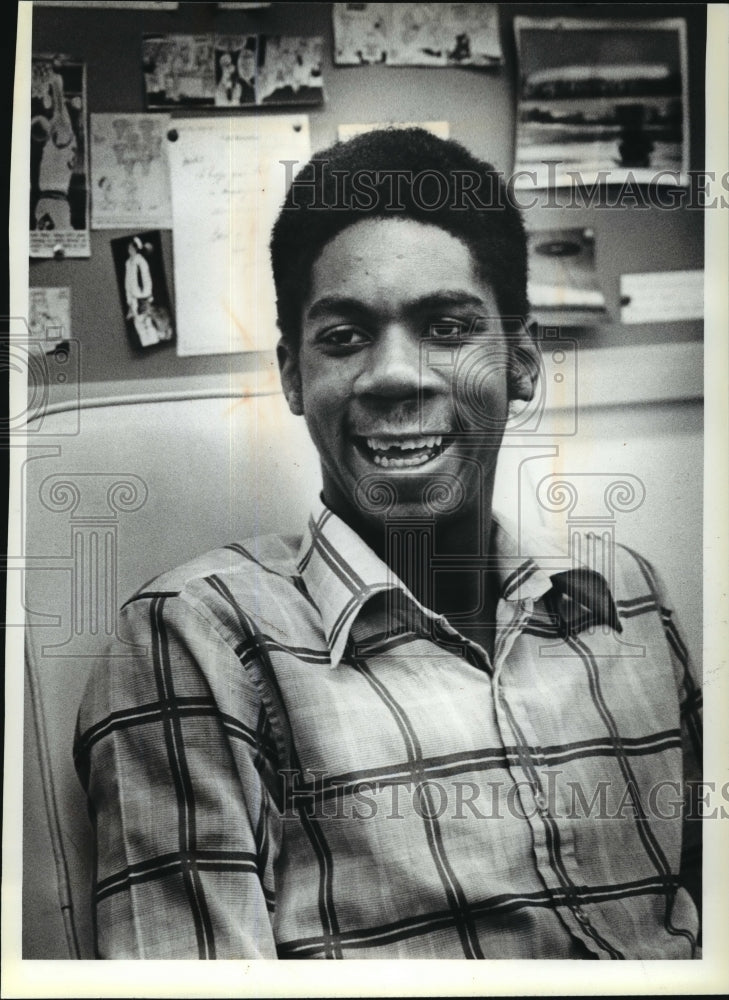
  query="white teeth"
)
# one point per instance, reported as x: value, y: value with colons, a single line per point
x: 404, y: 444
x: 401, y: 463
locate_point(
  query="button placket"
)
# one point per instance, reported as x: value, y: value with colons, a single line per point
x: 526, y: 769
x: 573, y: 915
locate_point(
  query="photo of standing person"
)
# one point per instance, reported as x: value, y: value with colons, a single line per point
x: 143, y: 289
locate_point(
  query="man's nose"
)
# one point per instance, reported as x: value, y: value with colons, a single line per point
x: 396, y: 368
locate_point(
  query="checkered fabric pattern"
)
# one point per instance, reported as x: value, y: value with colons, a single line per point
x: 301, y: 761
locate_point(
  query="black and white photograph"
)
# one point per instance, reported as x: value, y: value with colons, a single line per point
x: 143, y: 291
x: 563, y: 284
x: 602, y: 96
x: 366, y: 570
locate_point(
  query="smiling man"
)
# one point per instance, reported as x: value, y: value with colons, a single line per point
x: 400, y: 736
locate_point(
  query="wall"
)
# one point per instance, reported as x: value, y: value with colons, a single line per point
x: 478, y: 104
x: 653, y: 438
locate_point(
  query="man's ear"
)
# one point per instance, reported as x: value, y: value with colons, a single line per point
x: 288, y: 366
x: 524, y: 361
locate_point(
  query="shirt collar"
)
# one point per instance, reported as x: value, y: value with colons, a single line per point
x: 341, y: 573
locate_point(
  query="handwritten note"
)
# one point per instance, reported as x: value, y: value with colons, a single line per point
x: 661, y: 297
x: 227, y: 183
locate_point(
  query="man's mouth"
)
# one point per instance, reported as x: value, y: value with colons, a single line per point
x: 402, y: 452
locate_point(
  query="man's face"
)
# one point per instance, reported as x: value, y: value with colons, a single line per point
x: 401, y: 374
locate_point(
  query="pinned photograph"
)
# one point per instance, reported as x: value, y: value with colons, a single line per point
x: 563, y: 285
x: 59, y: 205
x: 601, y: 101
x: 179, y: 70
x: 143, y: 289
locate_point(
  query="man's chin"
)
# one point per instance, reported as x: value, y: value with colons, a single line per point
x: 410, y: 494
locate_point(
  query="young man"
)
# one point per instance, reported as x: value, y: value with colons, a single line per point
x: 399, y: 736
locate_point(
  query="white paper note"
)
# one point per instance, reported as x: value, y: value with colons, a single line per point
x: 661, y: 297
x: 228, y: 182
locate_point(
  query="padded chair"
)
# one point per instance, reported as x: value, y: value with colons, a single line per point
x: 115, y: 492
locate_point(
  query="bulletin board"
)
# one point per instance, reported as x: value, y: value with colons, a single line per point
x: 478, y: 104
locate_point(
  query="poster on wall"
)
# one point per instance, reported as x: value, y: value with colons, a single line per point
x: 601, y: 100
x: 130, y: 185
x: 179, y: 70
x: 59, y: 203
x: 229, y: 177
x: 563, y: 286
x: 145, y: 301
x: 416, y: 34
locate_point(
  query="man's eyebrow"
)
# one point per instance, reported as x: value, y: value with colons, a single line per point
x: 335, y: 304
x: 433, y: 300
x: 447, y: 297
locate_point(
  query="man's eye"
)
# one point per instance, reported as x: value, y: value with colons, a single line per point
x: 449, y: 329
x: 344, y: 336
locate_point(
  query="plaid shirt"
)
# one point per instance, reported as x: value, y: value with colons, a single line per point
x: 307, y: 763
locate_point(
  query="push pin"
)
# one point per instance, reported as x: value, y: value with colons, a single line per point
x: 58, y: 252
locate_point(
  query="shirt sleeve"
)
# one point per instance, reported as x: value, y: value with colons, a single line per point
x: 175, y: 753
x: 690, y: 705
x: 690, y: 702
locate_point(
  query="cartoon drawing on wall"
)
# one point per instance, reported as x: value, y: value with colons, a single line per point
x: 129, y: 171
x: 178, y: 70
x: 143, y: 289
x: 289, y: 70
x: 58, y: 158
x: 49, y: 314
x: 416, y: 34
x: 235, y: 70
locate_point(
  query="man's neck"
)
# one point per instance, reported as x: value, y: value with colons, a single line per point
x: 435, y: 561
